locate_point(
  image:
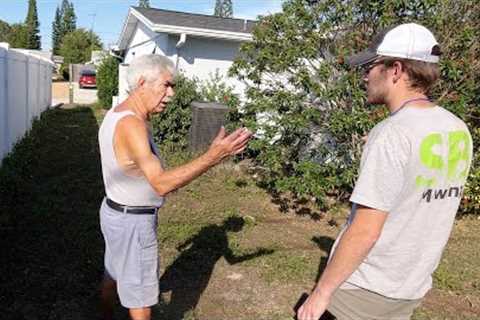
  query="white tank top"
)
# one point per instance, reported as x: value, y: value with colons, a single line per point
x: 120, y: 187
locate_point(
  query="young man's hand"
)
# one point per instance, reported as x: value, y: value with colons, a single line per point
x: 314, y: 306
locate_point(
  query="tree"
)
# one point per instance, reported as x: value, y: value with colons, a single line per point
x: 69, y: 19
x: 77, y: 46
x: 33, y: 26
x: 107, y: 81
x: 56, y: 31
x: 144, y: 3
x: 64, y: 22
x: 310, y: 144
x: 5, y: 30
x: 18, y: 37
x: 223, y: 8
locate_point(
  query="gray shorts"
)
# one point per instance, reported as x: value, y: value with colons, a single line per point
x: 360, y: 304
x: 131, y: 255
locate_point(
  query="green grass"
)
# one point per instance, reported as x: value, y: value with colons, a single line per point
x: 51, y: 188
x: 227, y: 250
x: 287, y: 266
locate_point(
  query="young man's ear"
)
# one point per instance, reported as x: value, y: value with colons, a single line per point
x: 397, y: 71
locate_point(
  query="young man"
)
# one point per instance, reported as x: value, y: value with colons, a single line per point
x: 136, y: 184
x: 413, y: 170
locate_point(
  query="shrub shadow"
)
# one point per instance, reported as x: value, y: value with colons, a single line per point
x: 299, y: 206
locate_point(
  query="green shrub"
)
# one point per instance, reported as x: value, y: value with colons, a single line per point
x: 171, y: 127
x: 107, y: 81
x: 296, y: 73
x: 216, y: 90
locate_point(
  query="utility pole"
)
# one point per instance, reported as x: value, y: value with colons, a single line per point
x: 93, y: 15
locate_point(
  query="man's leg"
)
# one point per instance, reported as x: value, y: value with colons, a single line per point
x: 108, y: 294
x: 140, y: 313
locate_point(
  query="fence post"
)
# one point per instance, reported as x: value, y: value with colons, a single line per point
x: 27, y: 93
x: 6, y: 132
x: 39, y: 107
x: 70, y: 86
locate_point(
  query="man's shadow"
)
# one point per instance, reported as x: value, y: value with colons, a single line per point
x: 325, y: 244
x: 188, y: 276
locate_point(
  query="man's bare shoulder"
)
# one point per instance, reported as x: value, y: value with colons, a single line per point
x: 131, y: 125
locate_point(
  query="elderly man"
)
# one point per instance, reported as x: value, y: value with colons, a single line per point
x: 136, y: 184
x: 412, y: 174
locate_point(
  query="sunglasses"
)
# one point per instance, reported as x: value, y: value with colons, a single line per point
x: 369, y: 66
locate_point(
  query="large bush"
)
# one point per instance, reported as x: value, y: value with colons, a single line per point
x: 107, y: 81
x: 77, y: 46
x: 171, y: 127
x: 313, y: 108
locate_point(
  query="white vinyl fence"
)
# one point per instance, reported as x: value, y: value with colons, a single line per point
x: 25, y: 92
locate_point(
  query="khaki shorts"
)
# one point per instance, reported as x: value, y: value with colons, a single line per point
x: 131, y: 255
x: 360, y: 304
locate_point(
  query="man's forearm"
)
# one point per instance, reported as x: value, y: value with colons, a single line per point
x: 349, y: 254
x: 170, y: 180
x: 354, y: 245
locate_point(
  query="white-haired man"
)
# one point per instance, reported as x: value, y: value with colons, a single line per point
x: 136, y: 184
x: 412, y: 173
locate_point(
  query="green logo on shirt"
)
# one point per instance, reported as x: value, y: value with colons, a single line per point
x: 447, y: 156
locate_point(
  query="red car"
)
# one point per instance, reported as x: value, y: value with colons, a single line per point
x: 87, y: 79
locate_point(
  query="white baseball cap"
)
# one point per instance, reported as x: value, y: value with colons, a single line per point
x: 408, y: 41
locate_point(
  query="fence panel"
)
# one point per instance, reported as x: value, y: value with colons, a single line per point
x: 33, y: 89
x: 3, y: 103
x: 17, y: 102
x: 25, y: 92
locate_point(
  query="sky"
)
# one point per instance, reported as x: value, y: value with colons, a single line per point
x: 106, y: 17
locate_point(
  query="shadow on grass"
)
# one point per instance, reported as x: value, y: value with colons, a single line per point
x: 188, y: 276
x: 325, y: 244
x: 50, y: 246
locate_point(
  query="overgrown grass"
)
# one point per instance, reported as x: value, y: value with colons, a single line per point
x: 227, y: 251
x: 51, y: 188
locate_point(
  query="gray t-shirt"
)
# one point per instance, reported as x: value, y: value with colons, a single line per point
x: 414, y: 167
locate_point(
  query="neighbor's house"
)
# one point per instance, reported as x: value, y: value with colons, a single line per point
x: 199, y: 45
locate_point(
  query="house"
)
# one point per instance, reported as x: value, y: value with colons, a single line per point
x: 97, y: 57
x: 199, y: 45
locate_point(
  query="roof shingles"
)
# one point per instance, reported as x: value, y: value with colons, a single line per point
x: 193, y: 20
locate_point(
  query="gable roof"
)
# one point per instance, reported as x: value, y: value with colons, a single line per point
x: 194, y: 20
x: 191, y: 24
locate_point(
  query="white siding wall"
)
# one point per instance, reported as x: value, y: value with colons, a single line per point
x: 25, y: 92
x: 199, y: 57
x: 202, y: 58
x: 145, y: 41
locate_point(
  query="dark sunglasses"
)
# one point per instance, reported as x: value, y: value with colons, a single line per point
x: 369, y: 66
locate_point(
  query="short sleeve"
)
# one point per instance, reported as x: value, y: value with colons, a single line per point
x: 383, y: 168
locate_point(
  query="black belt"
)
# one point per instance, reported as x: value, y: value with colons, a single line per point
x: 131, y: 209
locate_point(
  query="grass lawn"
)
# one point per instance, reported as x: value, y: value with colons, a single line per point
x: 228, y: 250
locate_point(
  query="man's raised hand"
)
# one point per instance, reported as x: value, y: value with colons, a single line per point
x: 227, y: 145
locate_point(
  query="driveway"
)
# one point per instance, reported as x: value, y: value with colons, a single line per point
x: 60, y: 94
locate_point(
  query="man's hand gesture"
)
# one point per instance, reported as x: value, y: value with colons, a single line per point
x: 227, y: 145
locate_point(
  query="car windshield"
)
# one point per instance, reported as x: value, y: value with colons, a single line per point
x: 87, y: 73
